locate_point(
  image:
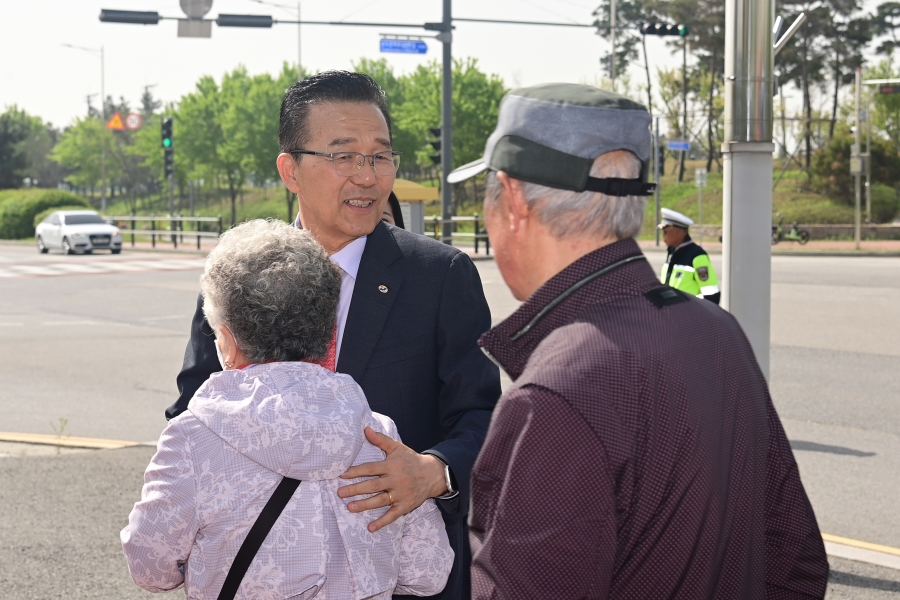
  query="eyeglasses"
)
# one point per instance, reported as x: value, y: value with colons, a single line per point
x: 348, y: 164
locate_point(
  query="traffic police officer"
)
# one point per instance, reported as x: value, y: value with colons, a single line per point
x: 687, y: 266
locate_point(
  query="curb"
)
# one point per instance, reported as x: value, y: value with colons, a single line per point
x: 875, y: 554
x: 861, y: 253
x: 67, y: 441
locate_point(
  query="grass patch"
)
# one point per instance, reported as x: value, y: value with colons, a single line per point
x: 792, y: 197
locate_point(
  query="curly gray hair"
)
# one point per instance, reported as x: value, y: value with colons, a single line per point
x: 275, y: 288
x: 570, y: 214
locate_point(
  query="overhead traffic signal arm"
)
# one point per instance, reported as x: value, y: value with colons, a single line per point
x: 129, y: 16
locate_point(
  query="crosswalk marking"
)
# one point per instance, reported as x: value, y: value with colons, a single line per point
x: 57, y: 269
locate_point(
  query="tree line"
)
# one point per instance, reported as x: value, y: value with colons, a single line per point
x: 226, y: 135
x: 819, y: 62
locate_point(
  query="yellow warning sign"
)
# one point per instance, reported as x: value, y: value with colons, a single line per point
x: 116, y: 122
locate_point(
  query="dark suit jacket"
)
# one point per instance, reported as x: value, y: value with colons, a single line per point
x: 414, y: 352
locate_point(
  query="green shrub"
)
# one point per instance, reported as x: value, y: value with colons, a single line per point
x: 18, y: 210
x: 44, y: 214
x: 831, y: 167
x: 884, y: 203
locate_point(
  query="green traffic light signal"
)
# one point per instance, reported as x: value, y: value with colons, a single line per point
x: 167, y: 142
x: 683, y: 30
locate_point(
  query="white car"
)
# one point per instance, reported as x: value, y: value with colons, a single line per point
x: 77, y: 231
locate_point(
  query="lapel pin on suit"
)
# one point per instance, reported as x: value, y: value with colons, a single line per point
x: 383, y: 289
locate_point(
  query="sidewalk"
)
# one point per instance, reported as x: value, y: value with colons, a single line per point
x: 813, y: 248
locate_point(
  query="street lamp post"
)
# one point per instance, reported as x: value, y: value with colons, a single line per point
x: 299, y: 23
x: 102, y: 119
x: 447, y: 124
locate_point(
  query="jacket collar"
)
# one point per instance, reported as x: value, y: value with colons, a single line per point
x: 687, y: 242
x: 378, y: 282
x: 586, y: 281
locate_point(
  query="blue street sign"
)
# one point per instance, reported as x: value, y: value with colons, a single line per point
x: 404, y: 46
x: 678, y: 145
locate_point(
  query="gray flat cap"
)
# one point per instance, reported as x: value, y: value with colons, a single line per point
x: 550, y: 134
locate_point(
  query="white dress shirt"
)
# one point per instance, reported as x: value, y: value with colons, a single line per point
x: 347, y: 258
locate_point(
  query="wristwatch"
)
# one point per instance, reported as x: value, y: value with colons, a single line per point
x: 450, y: 481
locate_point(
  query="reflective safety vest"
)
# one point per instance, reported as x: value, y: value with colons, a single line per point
x: 688, y: 269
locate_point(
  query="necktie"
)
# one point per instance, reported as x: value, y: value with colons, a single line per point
x: 330, y: 360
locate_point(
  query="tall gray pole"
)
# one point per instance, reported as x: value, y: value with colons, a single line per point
x: 612, y: 37
x: 856, y: 147
x: 656, y: 174
x: 103, y: 139
x: 447, y: 124
x: 868, y: 156
x: 747, y: 149
x: 299, y: 67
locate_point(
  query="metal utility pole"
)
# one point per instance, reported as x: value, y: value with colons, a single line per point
x: 299, y: 47
x: 868, y: 157
x: 446, y: 38
x: 700, y: 182
x: 684, y: 132
x: 747, y: 150
x: 612, y: 37
x: 299, y: 23
x: 856, y: 168
x: 103, y: 143
x: 102, y: 118
x: 656, y: 174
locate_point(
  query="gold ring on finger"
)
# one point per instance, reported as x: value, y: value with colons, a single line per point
x: 390, y: 497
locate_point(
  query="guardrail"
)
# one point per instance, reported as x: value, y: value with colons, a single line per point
x: 176, y: 227
x: 478, y: 235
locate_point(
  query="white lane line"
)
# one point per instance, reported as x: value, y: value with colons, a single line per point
x: 83, y: 267
x: 58, y: 269
x: 32, y: 270
x: 122, y: 267
x: 170, y: 317
x: 103, y: 323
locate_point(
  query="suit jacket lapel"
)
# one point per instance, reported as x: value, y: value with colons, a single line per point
x: 370, y: 306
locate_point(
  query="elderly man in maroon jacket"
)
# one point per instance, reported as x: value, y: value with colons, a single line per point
x: 638, y: 454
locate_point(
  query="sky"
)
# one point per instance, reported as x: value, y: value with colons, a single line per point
x: 47, y: 79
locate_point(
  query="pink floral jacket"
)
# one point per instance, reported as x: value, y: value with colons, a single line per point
x: 217, y: 464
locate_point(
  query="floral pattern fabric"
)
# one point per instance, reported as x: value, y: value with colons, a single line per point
x: 216, y: 466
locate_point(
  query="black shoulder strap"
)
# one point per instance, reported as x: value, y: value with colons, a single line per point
x: 254, y: 540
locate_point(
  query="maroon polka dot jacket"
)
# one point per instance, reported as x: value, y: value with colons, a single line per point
x: 638, y: 454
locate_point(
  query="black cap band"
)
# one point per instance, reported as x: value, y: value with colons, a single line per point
x: 536, y: 163
x: 613, y: 186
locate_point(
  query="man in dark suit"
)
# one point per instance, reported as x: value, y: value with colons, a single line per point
x: 411, y: 310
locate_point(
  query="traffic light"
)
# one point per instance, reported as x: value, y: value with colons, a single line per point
x: 664, y: 29
x: 168, y: 147
x: 661, y: 157
x: 436, y: 144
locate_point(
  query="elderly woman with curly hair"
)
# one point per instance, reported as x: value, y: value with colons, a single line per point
x: 271, y: 297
